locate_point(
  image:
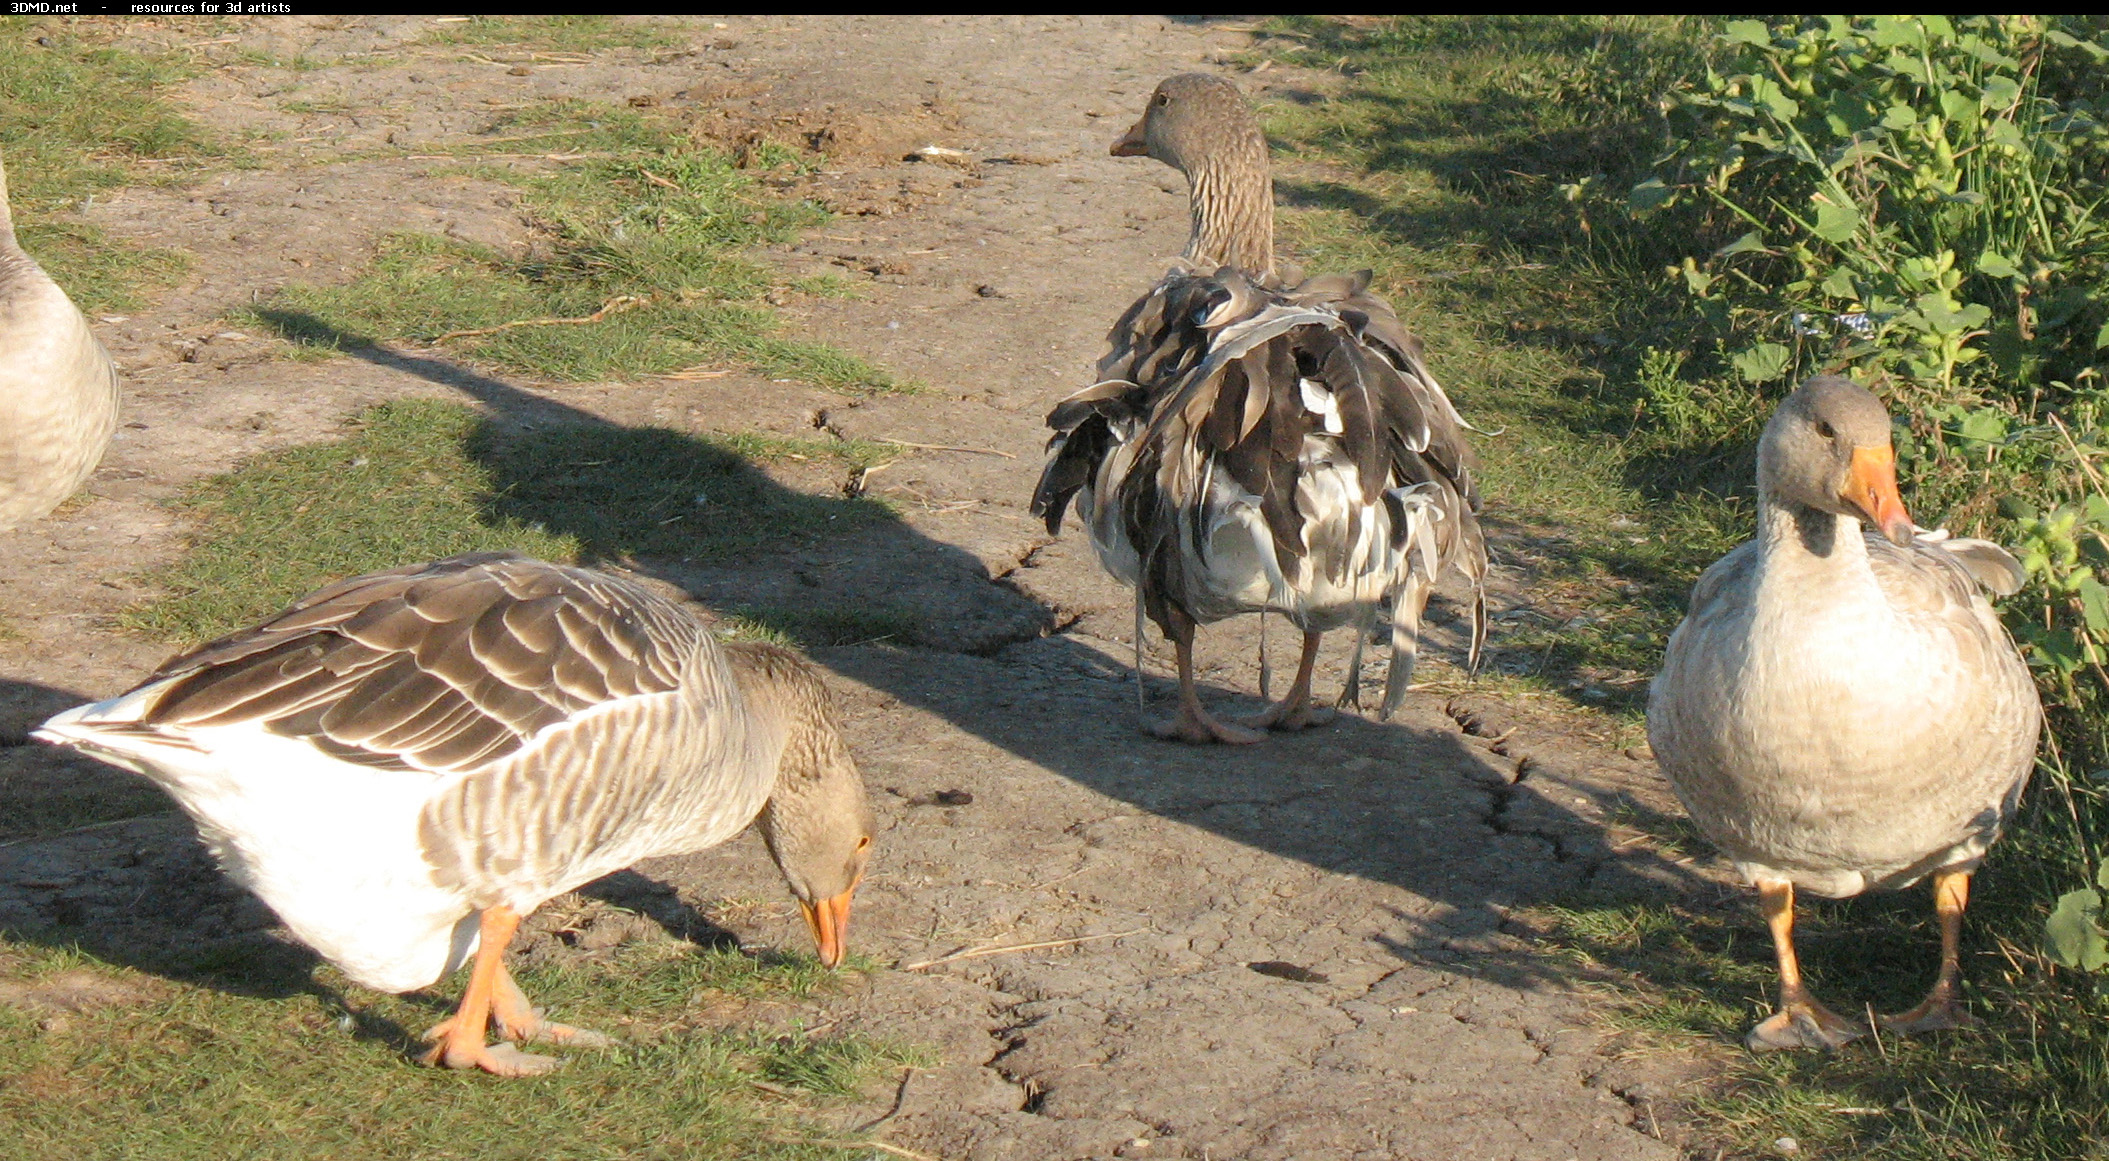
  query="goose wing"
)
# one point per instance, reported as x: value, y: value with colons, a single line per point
x: 445, y: 666
x: 1149, y: 350
x: 1211, y: 373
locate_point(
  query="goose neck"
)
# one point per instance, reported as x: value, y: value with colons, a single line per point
x: 1232, y: 209
x: 1804, y: 539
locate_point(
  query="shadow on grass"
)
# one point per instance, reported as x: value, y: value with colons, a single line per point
x: 570, y: 474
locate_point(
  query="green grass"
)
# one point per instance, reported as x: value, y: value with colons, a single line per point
x: 1440, y: 167
x: 1446, y: 162
x: 646, y: 243
x: 812, y: 627
x: 79, y: 118
x: 554, y: 33
x: 192, y: 1068
x: 2025, y: 1086
x: 421, y: 479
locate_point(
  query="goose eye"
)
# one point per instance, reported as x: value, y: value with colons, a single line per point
x: 1824, y: 429
x: 1163, y: 99
x: 864, y: 843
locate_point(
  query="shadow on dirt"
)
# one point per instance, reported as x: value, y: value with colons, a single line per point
x: 1419, y: 808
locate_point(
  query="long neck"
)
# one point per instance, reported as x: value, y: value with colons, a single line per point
x: 785, y: 701
x: 1232, y: 203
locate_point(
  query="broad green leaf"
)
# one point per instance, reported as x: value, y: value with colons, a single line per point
x: 1761, y: 363
x: 1743, y: 245
x: 1893, y: 31
x: 2000, y: 92
x: 1836, y: 223
x: 2067, y: 40
x: 1696, y: 280
x: 2094, y: 604
x: 1765, y: 91
x: 1899, y: 117
x: 2002, y: 132
x: 2070, y: 936
x: 1994, y: 263
x: 2101, y: 337
x: 1839, y: 284
x: 2097, y: 509
x: 1750, y: 32
x: 1648, y: 196
x: 1985, y: 425
x: 1942, y: 315
x: 2101, y: 875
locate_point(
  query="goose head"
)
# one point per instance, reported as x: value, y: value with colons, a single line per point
x: 1195, y: 120
x: 817, y: 823
x: 819, y: 827
x: 1200, y: 125
x: 1828, y: 449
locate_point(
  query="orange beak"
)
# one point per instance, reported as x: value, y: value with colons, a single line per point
x: 1871, y: 486
x: 829, y: 920
x: 1133, y: 145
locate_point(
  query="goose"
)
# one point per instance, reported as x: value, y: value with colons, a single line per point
x: 1255, y: 445
x: 404, y: 765
x: 58, y: 389
x: 1840, y: 709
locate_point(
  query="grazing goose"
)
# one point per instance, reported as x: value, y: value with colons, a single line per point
x: 1255, y: 446
x: 404, y: 765
x: 58, y: 390
x: 1840, y: 709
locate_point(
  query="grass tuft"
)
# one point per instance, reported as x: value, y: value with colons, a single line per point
x: 76, y: 119
x: 402, y: 488
x: 637, y: 269
x: 422, y: 479
x: 571, y: 33
x: 186, y: 1070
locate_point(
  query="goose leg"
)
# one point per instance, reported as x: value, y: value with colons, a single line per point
x: 1195, y: 724
x: 1943, y: 1006
x: 522, y: 1022
x: 1801, y: 1022
x: 461, y: 1036
x: 1295, y: 710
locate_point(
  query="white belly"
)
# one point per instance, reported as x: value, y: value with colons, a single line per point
x: 332, y: 847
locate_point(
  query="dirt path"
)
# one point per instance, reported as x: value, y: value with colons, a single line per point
x: 1295, y: 950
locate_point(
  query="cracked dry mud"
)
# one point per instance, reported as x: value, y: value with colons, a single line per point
x: 1365, y: 868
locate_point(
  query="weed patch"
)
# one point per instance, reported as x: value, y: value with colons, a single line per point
x: 1473, y: 163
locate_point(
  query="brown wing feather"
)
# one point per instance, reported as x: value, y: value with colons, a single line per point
x: 439, y: 666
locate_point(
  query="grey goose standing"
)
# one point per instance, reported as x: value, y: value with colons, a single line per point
x: 1256, y: 446
x: 404, y: 765
x: 1841, y: 710
x: 58, y: 389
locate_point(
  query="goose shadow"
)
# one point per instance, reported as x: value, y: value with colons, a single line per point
x: 1416, y: 806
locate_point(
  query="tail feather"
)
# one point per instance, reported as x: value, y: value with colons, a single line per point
x: 1405, y: 644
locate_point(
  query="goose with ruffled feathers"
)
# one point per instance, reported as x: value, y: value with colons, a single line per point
x: 1259, y: 445
x: 1841, y: 710
x: 405, y: 764
x: 58, y: 388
